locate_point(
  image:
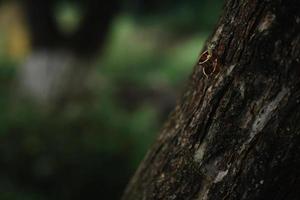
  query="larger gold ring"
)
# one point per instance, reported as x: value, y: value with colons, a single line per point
x: 209, y: 63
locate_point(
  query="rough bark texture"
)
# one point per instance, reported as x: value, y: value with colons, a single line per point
x: 235, y: 135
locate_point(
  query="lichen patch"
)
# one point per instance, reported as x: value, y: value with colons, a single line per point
x: 229, y: 70
x: 266, y: 22
x: 217, y: 34
x: 200, y: 153
x: 266, y: 113
x: 220, y: 176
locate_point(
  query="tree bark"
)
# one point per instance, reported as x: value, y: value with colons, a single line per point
x: 235, y: 134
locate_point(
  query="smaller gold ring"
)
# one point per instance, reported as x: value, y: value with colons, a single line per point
x: 205, y: 56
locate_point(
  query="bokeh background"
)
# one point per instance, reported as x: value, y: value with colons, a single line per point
x: 85, y: 87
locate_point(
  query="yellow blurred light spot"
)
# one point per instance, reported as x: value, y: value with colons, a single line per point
x: 14, y: 34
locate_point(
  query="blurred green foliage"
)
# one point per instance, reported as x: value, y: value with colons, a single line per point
x: 90, y: 146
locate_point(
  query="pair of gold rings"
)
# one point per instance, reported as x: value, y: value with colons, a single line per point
x: 209, y: 63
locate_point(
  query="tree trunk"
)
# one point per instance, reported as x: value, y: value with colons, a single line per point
x: 234, y: 134
x: 59, y: 64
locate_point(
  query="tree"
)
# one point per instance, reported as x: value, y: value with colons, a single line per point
x: 234, y: 134
x: 59, y: 62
